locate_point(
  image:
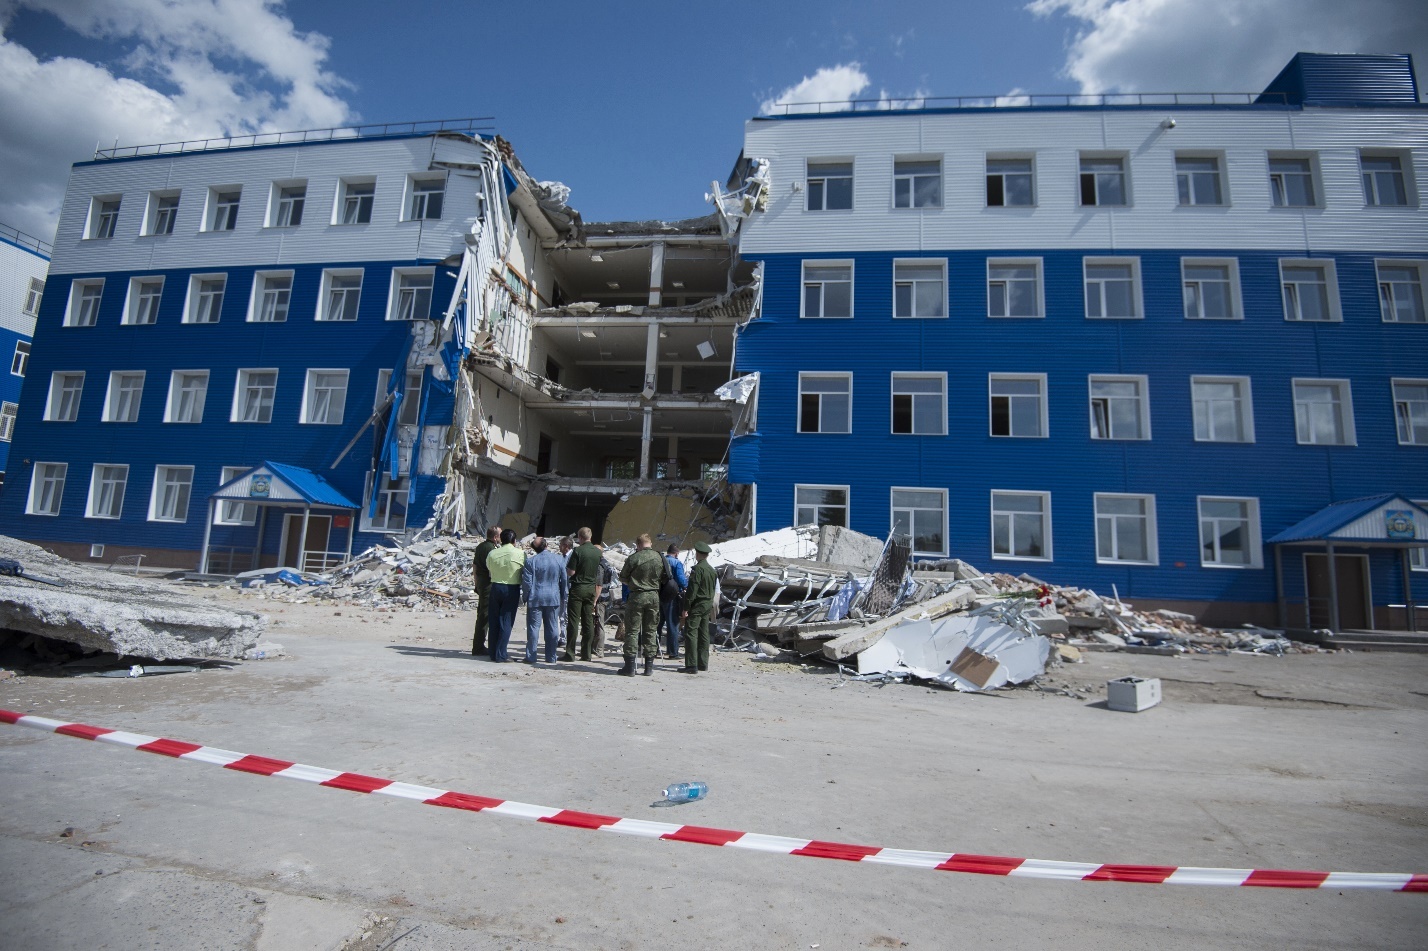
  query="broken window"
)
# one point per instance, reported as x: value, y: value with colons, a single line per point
x: 917, y: 183
x: 1119, y: 408
x: 84, y: 303
x: 205, y: 294
x: 1291, y: 182
x: 253, y: 401
x: 144, y: 296
x: 1323, y: 413
x: 411, y: 395
x: 1221, y: 409
x: 65, y: 391
x: 188, y: 391
x: 919, y: 404
x: 46, y: 488
x: 920, y: 515
x: 820, y: 505
x: 1111, y: 289
x: 1018, y: 405
x: 1103, y: 181
x: 830, y: 186
x: 172, y: 488
x: 1009, y: 183
x: 1383, y: 180
x: 271, y: 295
x: 827, y: 289
x: 1125, y: 528
x: 235, y: 513
x: 106, y: 491
x: 354, y: 202
x: 391, y: 509
x: 126, y: 390
x: 1229, y: 533
x: 1307, y: 294
x: 825, y: 403
x: 342, y: 293
x: 1410, y: 409
x: 1021, y: 525
x: 1197, y: 180
x: 225, y: 208
x: 325, y: 398
x: 919, y: 289
x: 622, y: 469
x: 1209, y: 290
x: 1013, y: 288
x: 1400, y: 292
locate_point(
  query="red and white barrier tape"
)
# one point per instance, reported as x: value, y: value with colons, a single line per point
x: 938, y: 861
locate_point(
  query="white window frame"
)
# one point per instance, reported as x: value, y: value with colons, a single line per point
x: 1011, y: 516
x: 893, y: 509
x: 91, y: 509
x: 805, y: 281
x: 33, y: 296
x: 1081, y: 174
x: 345, y: 185
x: 20, y: 362
x: 394, y: 299
x: 1142, y: 398
x: 175, y: 403
x: 418, y: 194
x: 141, y: 309
x: 370, y: 523
x: 1331, y: 289
x: 122, y: 394
x: 1033, y: 263
x: 281, y: 205
x: 8, y: 412
x: 1232, y: 270
x: 1345, y: 403
x: 911, y: 178
x: 221, y: 214
x: 282, y: 298
x: 846, y: 507
x: 1403, y: 411
x: 897, y: 375
x: 1252, y: 534
x: 327, y: 296
x: 232, y: 512
x: 40, y: 477
x: 159, y: 508
x: 83, y: 309
x: 1371, y: 180
x: 194, y: 302
x: 411, y: 395
x: 988, y: 175
x: 55, y: 403
x: 239, y: 390
x: 1277, y: 180
x: 822, y: 179
x: 159, y: 220
x: 913, y: 282
x: 1189, y: 176
x: 1387, y: 296
x: 1152, y: 546
x: 1418, y: 557
x: 1137, y: 303
x: 310, y: 398
x: 103, y: 221
x: 1244, y: 408
x: 820, y: 431
x: 1043, y: 415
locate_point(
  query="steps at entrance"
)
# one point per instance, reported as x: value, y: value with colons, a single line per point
x: 1400, y: 641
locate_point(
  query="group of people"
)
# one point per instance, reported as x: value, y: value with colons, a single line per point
x: 562, y: 594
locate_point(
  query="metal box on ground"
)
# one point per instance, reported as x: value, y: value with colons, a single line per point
x: 1132, y: 694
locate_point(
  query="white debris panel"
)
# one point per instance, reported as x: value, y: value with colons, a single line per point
x: 966, y: 652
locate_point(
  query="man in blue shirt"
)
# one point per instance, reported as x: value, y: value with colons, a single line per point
x: 671, y: 600
x: 544, y: 585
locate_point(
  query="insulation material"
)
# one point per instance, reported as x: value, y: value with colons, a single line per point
x: 967, y: 652
x: 738, y: 390
x: 663, y: 517
x: 801, y: 542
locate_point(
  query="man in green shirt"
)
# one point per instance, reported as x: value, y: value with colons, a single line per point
x: 699, y: 611
x: 643, y: 574
x: 504, y: 565
x: 483, y: 588
x: 583, y: 566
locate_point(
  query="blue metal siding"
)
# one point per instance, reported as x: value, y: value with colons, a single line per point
x: 1329, y: 79
x: 10, y: 384
x: 1290, y: 481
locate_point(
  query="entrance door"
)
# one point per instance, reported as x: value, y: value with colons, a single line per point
x: 1352, y: 574
x: 319, y: 527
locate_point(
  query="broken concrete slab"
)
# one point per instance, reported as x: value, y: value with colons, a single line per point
x: 105, y: 611
x: 859, y: 637
x: 843, y: 546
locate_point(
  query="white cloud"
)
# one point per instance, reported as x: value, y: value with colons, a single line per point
x: 840, y: 83
x: 1223, y: 45
x: 169, y: 87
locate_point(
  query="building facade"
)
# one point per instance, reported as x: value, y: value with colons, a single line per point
x: 23, y: 262
x: 1118, y: 342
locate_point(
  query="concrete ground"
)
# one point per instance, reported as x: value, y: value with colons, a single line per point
x: 1308, y: 761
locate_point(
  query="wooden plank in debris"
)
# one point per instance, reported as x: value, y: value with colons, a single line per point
x: 860, y: 638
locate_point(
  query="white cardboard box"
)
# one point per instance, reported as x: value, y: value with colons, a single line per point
x: 1132, y: 694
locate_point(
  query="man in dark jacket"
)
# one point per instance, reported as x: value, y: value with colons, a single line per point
x: 482, y: 583
x: 671, y: 600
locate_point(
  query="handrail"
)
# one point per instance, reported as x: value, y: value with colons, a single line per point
x: 337, y: 133
x: 26, y: 240
x: 1027, y: 101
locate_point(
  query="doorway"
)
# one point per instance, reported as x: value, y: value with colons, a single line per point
x: 319, y: 528
x: 1352, y: 574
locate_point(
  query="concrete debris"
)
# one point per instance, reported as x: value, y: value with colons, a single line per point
x: 100, y: 610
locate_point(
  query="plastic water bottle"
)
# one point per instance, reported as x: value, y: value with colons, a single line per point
x: 686, y: 792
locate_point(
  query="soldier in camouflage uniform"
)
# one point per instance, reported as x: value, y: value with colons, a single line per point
x: 644, y: 574
x: 699, y: 611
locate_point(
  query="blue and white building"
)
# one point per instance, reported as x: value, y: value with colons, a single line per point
x: 23, y: 262
x: 1121, y: 341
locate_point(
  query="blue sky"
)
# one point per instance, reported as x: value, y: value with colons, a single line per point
x: 636, y: 106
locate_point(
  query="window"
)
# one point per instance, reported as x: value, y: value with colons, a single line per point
x: 103, y: 216
x: 84, y: 303
x: 411, y: 294
x: 272, y: 293
x: 1222, y: 409
x: 205, y: 298
x: 46, y: 488
x: 1125, y: 529
x: 1103, y: 181
x: 820, y: 505
x: 1323, y: 413
x: 354, y: 201
x: 1418, y: 557
x: 223, y: 208
x: 188, y: 391
x: 325, y: 397
x: 65, y: 391
x: 1384, y: 184
x: 289, y: 199
x: 830, y: 186
x: 126, y: 390
x: 1229, y: 533
x: 144, y: 295
x: 920, y: 515
x: 1197, y: 180
x: 411, y: 395
x: 920, y: 288
x: 20, y: 362
x: 163, y: 213
x: 1013, y: 288
x: 917, y: 183
x: 827, y: 289
x: 106, y: 491
x: 253, y: 396
x: 1291, y: 181
x: 1113, y: 287
x: 825, y: 403
x: 427, y: 195
x: 1119, y: 407
x: 1018, y: 405
x: 391, y: 513
x: 341, y: 292
x: 234, y: 513
x: 1311, y: 290
x: 1400, y: 292
x: 1410, y: 409
x: 1010, y: 183
x: 1211, y: 289
x: 33, y: 296
x: 7, y: 421
x: 172, y: 487
x: 919, y: 404
x: 1021, y: 525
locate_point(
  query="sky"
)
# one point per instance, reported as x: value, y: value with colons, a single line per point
x: 637, y: 106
